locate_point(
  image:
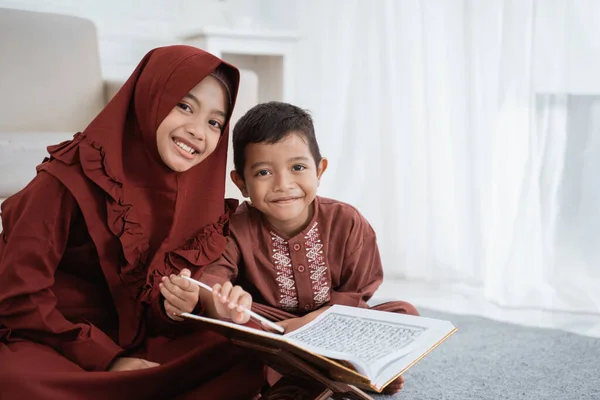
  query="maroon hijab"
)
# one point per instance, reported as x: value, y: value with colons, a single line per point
x: 145, y: 219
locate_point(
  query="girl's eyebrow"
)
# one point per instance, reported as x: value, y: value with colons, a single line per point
x: 193, y: 98
x: 218, y: 112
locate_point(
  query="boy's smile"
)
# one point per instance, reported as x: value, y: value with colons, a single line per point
x: 281, y: 180
x: 285, y: 200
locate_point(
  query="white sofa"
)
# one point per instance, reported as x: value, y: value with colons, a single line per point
x: 50, y: 87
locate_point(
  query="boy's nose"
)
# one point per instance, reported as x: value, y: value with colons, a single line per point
x: 283, y: 182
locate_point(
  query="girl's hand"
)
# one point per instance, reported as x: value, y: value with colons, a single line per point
x: 180, y: 295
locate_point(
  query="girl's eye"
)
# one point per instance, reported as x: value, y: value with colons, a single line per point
x: 184, y: 107
x: 216, y: 124
x: 298, y: 167
x: 262, y: 172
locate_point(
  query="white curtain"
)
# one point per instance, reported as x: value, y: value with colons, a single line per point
x: 468, y: 133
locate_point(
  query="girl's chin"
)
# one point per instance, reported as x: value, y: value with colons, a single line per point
x: 179, y: 166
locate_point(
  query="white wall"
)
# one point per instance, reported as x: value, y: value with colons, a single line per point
x: 127, y: 29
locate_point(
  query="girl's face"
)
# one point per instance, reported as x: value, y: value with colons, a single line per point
x: 191, y: 131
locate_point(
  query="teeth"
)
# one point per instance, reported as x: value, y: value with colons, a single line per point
x: 185, y: 147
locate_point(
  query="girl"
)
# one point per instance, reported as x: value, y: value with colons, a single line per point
x: 136, y: 196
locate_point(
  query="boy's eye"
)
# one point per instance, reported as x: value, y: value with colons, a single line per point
x: 184, y: 107
x: 298, y: 167
x: 262, y: 172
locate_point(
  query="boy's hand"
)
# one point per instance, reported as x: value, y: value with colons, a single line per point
x: 290, y: 325
x: 180, y: 295
x: 395, y: 386
x: 294, y: 323
x: 230, y: 302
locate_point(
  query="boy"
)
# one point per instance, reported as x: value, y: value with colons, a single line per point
x: 293, y: 253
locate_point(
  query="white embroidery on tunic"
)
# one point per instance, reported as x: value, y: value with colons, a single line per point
x: 288, y: 295
x: 316, y: 266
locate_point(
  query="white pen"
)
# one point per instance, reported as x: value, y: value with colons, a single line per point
x: 249, y: 312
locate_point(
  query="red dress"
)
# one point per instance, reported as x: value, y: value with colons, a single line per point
x: 85, y: 244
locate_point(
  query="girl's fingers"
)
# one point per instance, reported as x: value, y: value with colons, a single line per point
x: 184, y: 300
x: 174, y: 289
x: 177, y: 302
x: 184, y: 284
x: 173, y: 312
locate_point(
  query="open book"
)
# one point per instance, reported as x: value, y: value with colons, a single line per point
x: 380, y: 346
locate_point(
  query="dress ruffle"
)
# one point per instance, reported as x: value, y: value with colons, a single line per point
x: 202, y: 249
x: 121, y: 218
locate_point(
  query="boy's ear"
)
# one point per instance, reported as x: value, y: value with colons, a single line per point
x: 239, y: 182
x: 321, y: 168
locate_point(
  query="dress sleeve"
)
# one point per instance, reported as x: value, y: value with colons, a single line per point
x: 225, y: 268
x: 361, y: 271
x: 36, y: 224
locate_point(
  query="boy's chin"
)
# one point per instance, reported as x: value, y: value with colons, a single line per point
x: 286, y: 218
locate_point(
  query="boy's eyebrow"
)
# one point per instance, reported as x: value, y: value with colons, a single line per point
x: 299, y: 158
x: 293, y: 159
x: 220, y: 113
x: 258, y: 164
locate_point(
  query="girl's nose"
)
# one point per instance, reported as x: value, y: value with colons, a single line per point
x: 196, y: 130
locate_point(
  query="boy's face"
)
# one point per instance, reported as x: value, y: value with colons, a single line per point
x: 281, y: 180
x: 191, y: 131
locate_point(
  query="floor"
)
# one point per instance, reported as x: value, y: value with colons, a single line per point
x: 491, y: 360
x: 449, y: 299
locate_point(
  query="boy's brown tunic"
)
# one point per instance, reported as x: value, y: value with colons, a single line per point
x: 334, y: 260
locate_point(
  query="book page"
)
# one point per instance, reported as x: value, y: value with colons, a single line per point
x: 365, y: 338
x: 371, y: 340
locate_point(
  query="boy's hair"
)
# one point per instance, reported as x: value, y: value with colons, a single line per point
x: 270, y: 123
